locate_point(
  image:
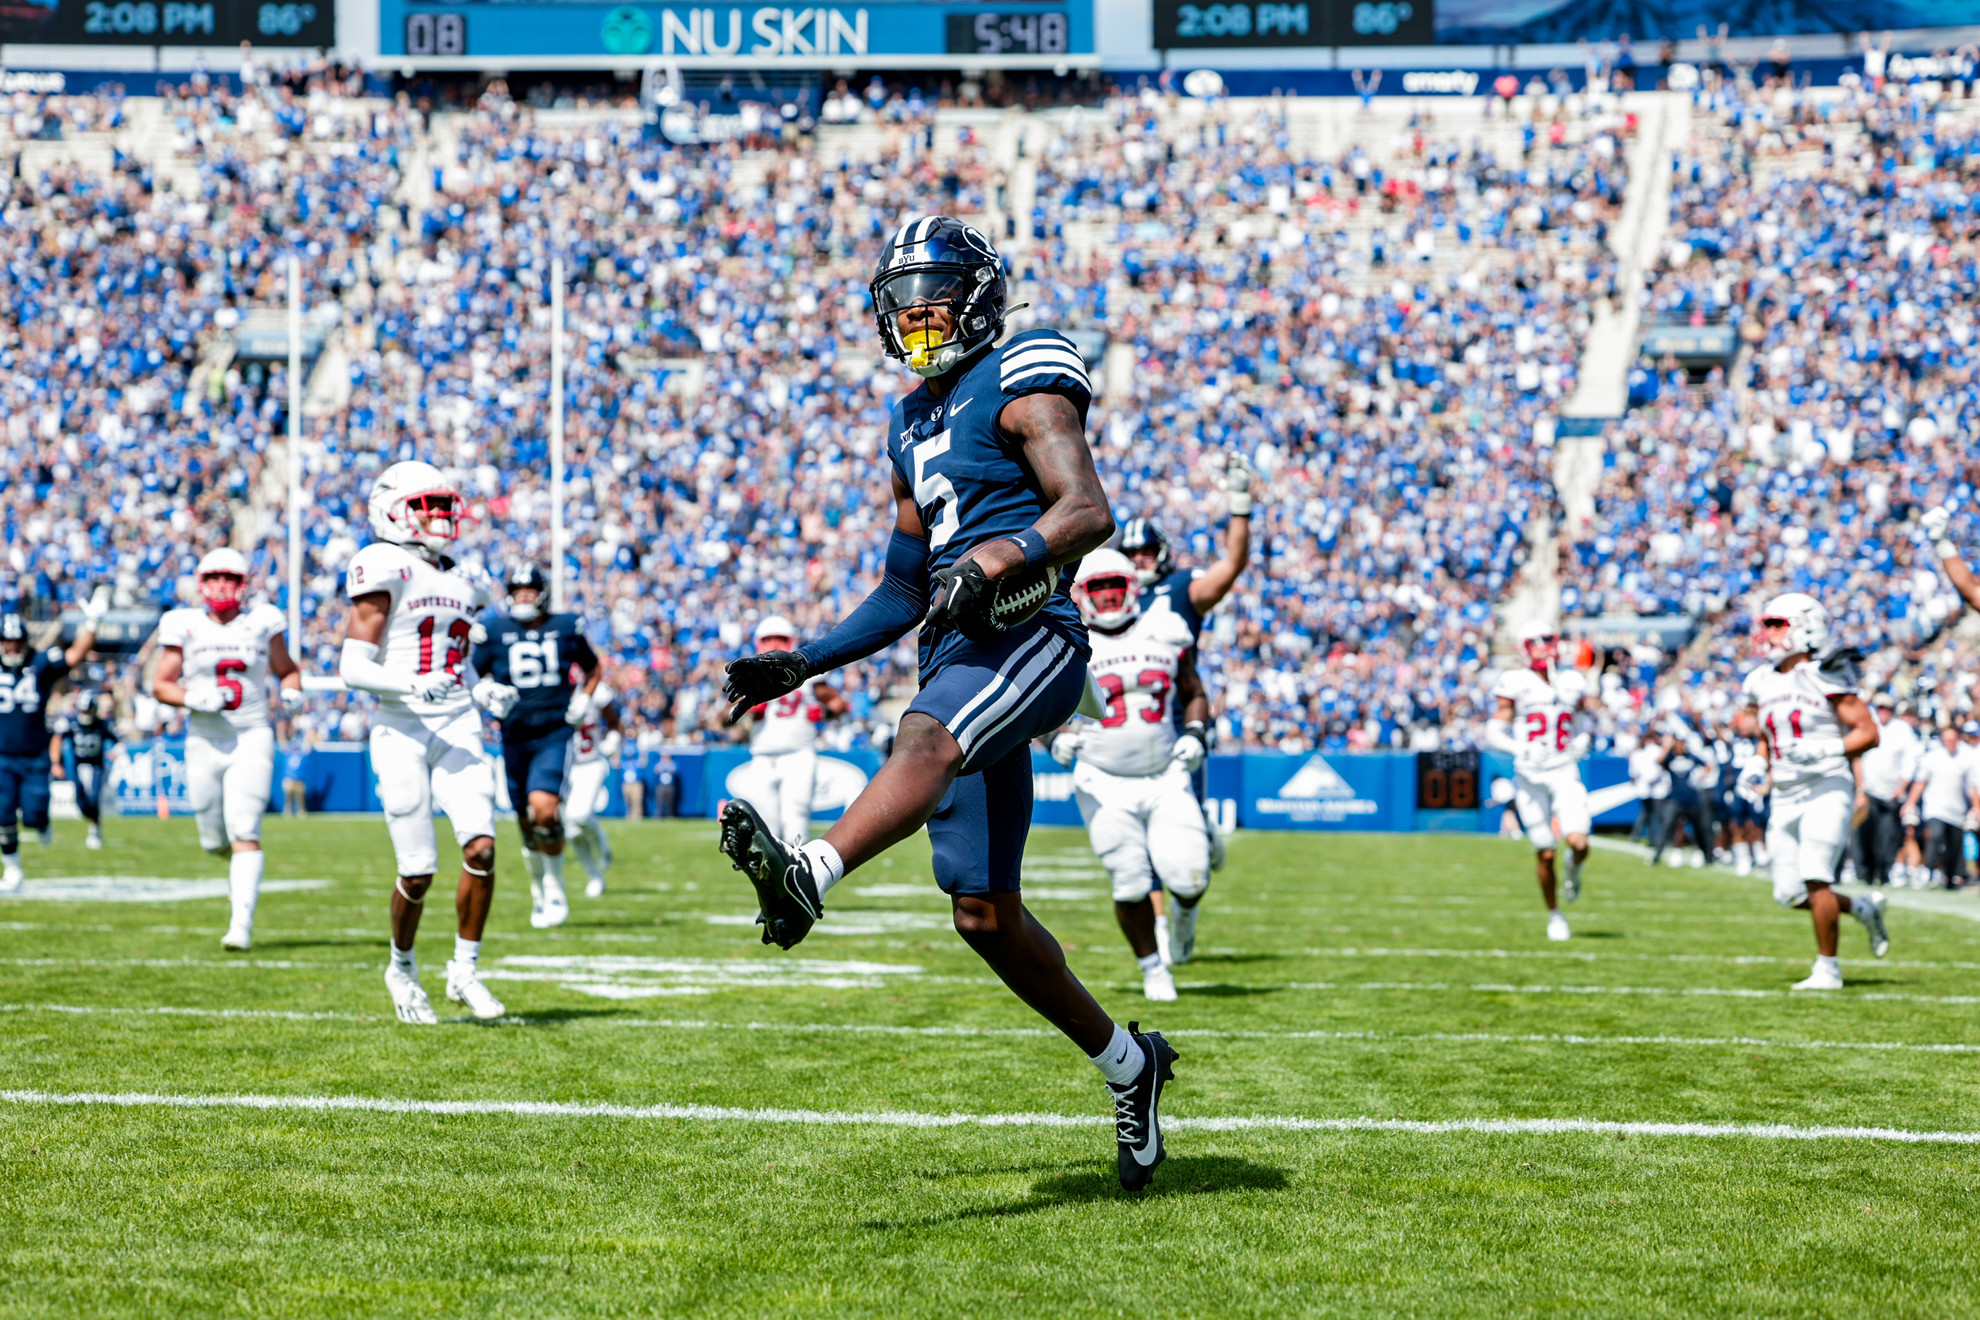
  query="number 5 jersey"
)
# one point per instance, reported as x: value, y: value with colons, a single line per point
x: 430, y: 622
x: 231, y: 656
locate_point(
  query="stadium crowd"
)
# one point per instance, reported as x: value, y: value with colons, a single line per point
x: 1383, y: 336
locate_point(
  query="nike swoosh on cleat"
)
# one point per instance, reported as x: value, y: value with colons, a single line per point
x: 1145, y: 1156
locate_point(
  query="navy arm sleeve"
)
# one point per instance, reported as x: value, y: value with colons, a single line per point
x: 884, y: 617
x: 587, y: 659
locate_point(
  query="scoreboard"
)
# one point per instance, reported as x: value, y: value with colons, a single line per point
x: 170, y: 22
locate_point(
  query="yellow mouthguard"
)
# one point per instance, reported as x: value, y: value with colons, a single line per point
x: 921, y: 346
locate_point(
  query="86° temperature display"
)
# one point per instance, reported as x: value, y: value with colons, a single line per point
x: 1008, y: 34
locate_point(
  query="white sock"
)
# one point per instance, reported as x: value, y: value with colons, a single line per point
x: 466, y: 950
x: 553, y: 867
x: 1826, y: 963
x: 1743, y: 853
x: 1120, y: 1063
x: 580, y: 846
x: 1150, y: 963
x: 827, y: 867
x: 244, y: 881
x: 403, y: 960
x: 533, y: 863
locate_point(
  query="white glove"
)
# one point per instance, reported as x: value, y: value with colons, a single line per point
x: 209, y: 700
x: 433, y: 686
x: 96, y: 606
x: 1236, y: 482
x: 1808, y: 751
x: 1065, y: 748
x: 1189, y: 752
x: 1935, y: 524
x: 1578, y: 746
x: 579, y: 708
x: 1909, y: 816
x: 498, y: 699
x: 609, y: 745
x: 293, y: 699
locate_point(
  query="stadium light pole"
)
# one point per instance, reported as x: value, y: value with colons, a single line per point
x: 295, y: 454
x: 557, y: 433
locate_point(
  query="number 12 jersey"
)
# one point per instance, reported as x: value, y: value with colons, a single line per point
x: 429, y: 623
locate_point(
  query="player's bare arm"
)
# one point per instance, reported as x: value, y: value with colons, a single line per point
x: 368, y: 616
x: 1208, y: 588
x: 1076, y: 519
x: 165, y: 681
x: 1191, y: 697
x: 283, y: 665
x: 55, y: 768
x: 830, y: 700
x: 1937, y: 525
x: 1859, y: 725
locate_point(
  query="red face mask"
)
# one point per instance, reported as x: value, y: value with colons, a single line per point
x: 1109, y: 595
x: 222, y: 592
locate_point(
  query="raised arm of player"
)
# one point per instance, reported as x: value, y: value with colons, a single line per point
x: 1208, y: 588
x: 1076, y: 519
x: 1936, y: 525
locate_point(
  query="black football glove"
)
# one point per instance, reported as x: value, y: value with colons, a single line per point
x: 755, y: 679
x: 963, y: 593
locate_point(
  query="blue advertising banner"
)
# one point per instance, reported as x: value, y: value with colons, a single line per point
x: 1015, y: 32
x: 1366, y: 791
x: 1497, y: 23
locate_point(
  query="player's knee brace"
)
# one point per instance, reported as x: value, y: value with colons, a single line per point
x: 1186, y: 883
x: 1790, y: 891
x: 1132, y: 884
x: 549, y: 835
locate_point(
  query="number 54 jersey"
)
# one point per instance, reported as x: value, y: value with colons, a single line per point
x: 1135, y: 671
x: 231, y: 656
x: 430, y: 621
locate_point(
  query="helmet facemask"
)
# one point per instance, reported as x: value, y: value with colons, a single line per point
x: 1107, y: 601
x: 223, y: 593
x: 526, y: 604
x: 934, y: 317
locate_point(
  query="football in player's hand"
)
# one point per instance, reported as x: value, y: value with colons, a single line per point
x: 983, y: 608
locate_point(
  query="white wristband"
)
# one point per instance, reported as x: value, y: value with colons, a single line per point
x: 1946, y: 549
x: 357, y: 665
x: 1240, y: 503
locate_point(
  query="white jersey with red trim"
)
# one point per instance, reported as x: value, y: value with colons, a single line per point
x: 232, y: 656
x: 430, y: 621
x: 789, y: 723
x: 1794, y: 707
x: 588, y: 742
x: 1135, y: 670
x: 1544, y: 707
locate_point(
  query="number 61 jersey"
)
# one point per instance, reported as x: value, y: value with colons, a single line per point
x: 429, y: 623
x: 232, y: 656
x: 1135, y: 670
x: 536, y: 660
x: 1543, y: 716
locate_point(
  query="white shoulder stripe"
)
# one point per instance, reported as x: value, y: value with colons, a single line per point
x: 1062, y: 352
x: 1045, y: 367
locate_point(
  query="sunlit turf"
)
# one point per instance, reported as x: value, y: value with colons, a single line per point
x: 1360, y: 977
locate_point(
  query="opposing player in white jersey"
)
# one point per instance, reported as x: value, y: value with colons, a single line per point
x: 1813, y: 724
x: 782, y: 769
x: 407, y: 640
x: 593, y: 749
x: 215, y: 662
x: 1133, y: 768
x: 1534, y: 723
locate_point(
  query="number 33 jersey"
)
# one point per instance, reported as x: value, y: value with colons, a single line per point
x: 540, y: 661
x: 1135, y: 671
x: 231, y: 656
x: 1543, y: 716
x: 429, y: 623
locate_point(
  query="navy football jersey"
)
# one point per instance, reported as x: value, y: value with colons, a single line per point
x: 24, y: 700
x: 539, y: 661
x: 1172, y: 593
x: 84, y: 728
x: 971, y: 481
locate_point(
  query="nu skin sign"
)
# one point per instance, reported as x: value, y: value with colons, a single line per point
x: 734, y: 36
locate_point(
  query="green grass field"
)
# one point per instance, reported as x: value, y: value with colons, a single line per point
x: 1342, y: 978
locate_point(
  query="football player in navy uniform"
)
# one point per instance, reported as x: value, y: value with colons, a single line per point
x: 27, y: 677
x: 82, y: 742
x: 996, y: 500
x: 525, y: 658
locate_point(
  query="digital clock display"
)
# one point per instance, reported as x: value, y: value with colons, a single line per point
x: 1041, y: 32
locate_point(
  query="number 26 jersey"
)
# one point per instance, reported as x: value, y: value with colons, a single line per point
x: 429, y: 622
x: 1543, y: 716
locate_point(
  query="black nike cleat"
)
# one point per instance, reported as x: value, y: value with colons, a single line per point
x: 786, y: 895
x: 1137, y: 1120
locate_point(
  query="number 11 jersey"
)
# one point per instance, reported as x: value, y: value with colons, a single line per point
x: 232, y: 656
x: 429, y: 623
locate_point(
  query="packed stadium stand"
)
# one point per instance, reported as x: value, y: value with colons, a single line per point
x: 1385, y: 307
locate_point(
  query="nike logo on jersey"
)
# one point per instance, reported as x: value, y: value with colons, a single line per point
x: 958, y: 408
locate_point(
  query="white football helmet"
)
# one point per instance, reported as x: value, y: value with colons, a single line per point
x: 405, y: 489
x: 1099, y: 568
x: 1807, y: 626
x: 1542, y: 633
x: 212, y: 574
x: 774, y: 625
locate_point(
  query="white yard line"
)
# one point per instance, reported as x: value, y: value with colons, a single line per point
x: 966, y: 1032
x: 911, y: 1119
x: 1720, y: 992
